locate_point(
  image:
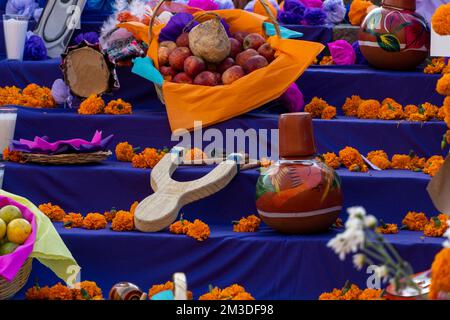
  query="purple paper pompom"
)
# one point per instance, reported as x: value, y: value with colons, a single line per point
x: 207, y: 5
x: 342, y: 52
x: 312, y: 3
x: 293, y: 98
x: 292, y: 13
x: 314, y: 17
x: 60, y: 91
x: 23, y: 7
x: 360, y: 59
x: 35, y: 49
x: 90, y: 37
x: 335, y: 11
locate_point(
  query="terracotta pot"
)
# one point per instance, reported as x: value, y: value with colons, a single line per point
x: 298, y: 194
x: 394, y: 36
x: 125, y: 291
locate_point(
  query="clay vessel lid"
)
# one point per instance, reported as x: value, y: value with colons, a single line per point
x: 296, y: 137
x: 401, y: 4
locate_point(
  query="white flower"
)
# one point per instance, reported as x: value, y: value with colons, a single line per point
x: 359, y: 260
x: 355, y: 218
x: 370, y: 222
x: 348, y: 241
x: 382, y: 273
x: 354, y: 212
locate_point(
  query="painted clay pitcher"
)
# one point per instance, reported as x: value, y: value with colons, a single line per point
x: 298, y: 194
x: 394, y: 36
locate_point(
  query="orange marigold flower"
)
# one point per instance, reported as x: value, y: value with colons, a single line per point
x: 118, y: 107
x: 437, y: 226
x: 59, y: 292
x: 417, y: 117
x: 440, y: 282
x: 73, y: 220
x: 388, y: 228
x: 409, y: 110
x: 390, y: 110
x: 433, y: 165
x: 401, y: 162
x: 157, y: 288
x: 377, y: 153
x: 381, y: 162
x: 316, y: 107
x: 38, y: 97
x: 92, y: 105
x: 329, y: 113
x: 332, y: 160
x: 358, y: 11
x: 13, y: 156
x: 443, y: 85
x: 138, y: 161
x: 435, y: 66
x: 326, y: 61
x: 430, y: 110
x: 110, y: 215
x: 350, y: 156
x: 415, y: 221
x: 54, y: 212
x: 358, y: 168
x: 229, y: 292
x: 333, y: 295
x: 249, y: 224
x: 441, y: 113
x: 243, y: 296
x: 195, y: 154
x: 94, y: 221
x: 371, y: 294
x: 351, y: 105
x: 180, y: 226
x: 90, y: 288
x: 123, y: 221
x: 198, y: 230
x: 369, y: 109
x: 37, y: 293
x: 124, y: 152
x: 352, y: 293
x: 213, y: 294
x: 441, y: 21
x: 133, y: 207
x: 447, y: 137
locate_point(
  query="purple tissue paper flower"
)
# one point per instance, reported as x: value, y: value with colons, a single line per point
x: 312, y: 3
x: 342, y: 52
x: 360, y: 59
x: 35, y: 49
x: 314, y: 17
x: 293, y: 98
x: 292, y: 13
x: 335, y: 10
x: 91, y: 37
x: 21, y: 7
x: 206, y: 5
x: 60, y: 91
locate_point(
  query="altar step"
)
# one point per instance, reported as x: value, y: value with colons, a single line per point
x: 268, y: 264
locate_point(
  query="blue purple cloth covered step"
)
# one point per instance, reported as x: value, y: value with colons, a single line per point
x: 298, y: 266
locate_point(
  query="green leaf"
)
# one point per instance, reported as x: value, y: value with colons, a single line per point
x: 346, y: 287
x: 67, y: 224
x: 388, y: 42
x: 85, y: 294
x: 437, y: 222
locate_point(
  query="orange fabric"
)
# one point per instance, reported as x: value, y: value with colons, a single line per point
x: 259, y: 9
x: 186, y: 103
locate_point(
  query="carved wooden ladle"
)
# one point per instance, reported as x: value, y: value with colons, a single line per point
x: 160, y: 209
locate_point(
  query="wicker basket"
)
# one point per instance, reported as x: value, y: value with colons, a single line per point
x: 9, y: 289
x: 68, y: 158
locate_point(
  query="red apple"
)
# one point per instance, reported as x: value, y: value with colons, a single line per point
x: 183, y: 40
x: 232, y: 74
x: 253, y: 41
x: 177, y: 57
x: 163, y: 56
x: 242, y: 57
x: 254, y: 63
x: 267, y: 52
x: 240, y: 36
x: 182, y: 77
x: 218, y: 77
x: 236, y: 47
x: 194, y: 65
x: 206, y: 78
x: 225, y: 64
x: 168, y: 44
x: 167, y: 72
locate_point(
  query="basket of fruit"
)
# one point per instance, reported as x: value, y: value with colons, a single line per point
x: 17, y: 237
x: 215, y: 65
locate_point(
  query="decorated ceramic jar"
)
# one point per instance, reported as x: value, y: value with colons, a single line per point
x: 125, y: 291
x: 298, y: 193
x: 394, y: 36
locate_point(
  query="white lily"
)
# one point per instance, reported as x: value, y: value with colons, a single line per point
x: 359, y: 260
x: 370, y: 222
x: 351, y: 240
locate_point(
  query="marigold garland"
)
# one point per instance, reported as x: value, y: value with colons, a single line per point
x: 148, y: 158
x: 390, y: 110
x: 124, y: 152
x: 352, y: 292
x: 351, y: 105
x: 85, y: 290
x: 123, y: 221
x: 332, y: 160
x: 436, y: 66
x: 233, y: 292
x: 437, y: 226
x: 369, y: 109
x: 94, y: 221
x: 59, y: 292
x: 73, y: 220
x: 329, y: 113
x: 157, y: 288
x: 380, y: 159
x: 118, y: 107
x: 409, y: 110
x: 358, y: 11
x: 248, y: 224
x: 440, y: 269
x: 53, y: 212
x: 316, y: 107
x: 352, y: 160
x: 388, y: 228
x: 441, y: 21
x: 110, y: 215
x: 92, y: 105
x: 31, y: 96
x: 180, y: 226
x: 433, y: 165
x: 198, y: 230
x: 37, y: 293
x: 415, y: 221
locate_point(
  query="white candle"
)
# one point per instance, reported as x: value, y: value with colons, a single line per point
x: 8, y: 118
x: 15, y: 29
x: 2, y: 172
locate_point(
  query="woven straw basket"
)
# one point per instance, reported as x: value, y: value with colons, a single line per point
x: 9, y: 289
x: 69, y: 158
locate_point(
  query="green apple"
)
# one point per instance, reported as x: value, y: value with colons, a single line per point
x: 7, y: 248
x: 2, y: 229
x: 9, y: 213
